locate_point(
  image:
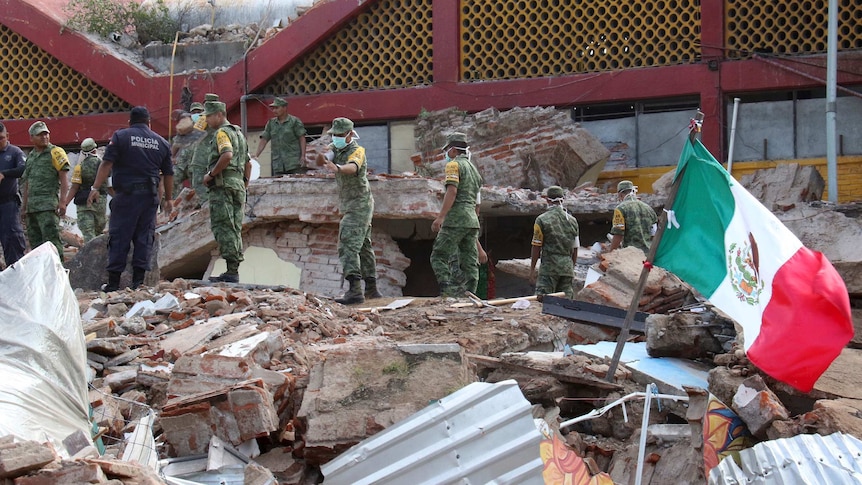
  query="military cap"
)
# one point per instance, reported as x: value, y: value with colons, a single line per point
x: 340, y: 126
x: 278, y: 102
x: 196, y: 107
x: 555, y: 192
x: 210, y: 97
x: 139, y: 114
x: 38, y: 127
x: 213, y: 107
x: 88, y: 145
x: 625, y: 185
x: 456, y: 139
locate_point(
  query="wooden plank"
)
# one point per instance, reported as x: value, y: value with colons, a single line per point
x: 585, y: 312
x: 583, y: 381
x: 504, y: 301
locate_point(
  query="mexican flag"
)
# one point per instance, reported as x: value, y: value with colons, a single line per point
x: 791, y: 303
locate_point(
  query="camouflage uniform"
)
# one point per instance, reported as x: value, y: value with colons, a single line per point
x: 356, y: 205
x: 200, y: 158
x: 92, y: 218
x: 183, y: 165
x: 633, y: 220
x: 555, y: 232
x: 42, y: 175
x: 285, y: 147
x: 227, y: 193
x: 460, y: 229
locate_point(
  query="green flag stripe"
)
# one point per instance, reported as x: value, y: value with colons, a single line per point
x: 703, y: 207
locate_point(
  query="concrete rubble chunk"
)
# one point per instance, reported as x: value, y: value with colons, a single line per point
x: 785, y: 185
x: 68, y: 472
x: 235, y: 414
x: 19, y: 458
x: 621, y: 272
x: 682, y: 334
x: 358, y: 389
x: 531, y: 147
x: 758, y: 406
x: 194, y: 374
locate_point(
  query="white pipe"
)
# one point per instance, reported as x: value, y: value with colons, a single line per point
x: 732, y: 136
x: 642, y: 442
x: 595, y: 413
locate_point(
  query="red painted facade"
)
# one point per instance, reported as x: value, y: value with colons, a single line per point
x: 714, y: 86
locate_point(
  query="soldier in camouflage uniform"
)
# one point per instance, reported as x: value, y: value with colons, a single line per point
x: 555, y: 239
x: 182, y: 149
x: 457, y: 223
x: 227, y: 180
x: 91, y: 217
x: 201, y: 151
x: 46, y: 185
x: 634, y: 221
x: 288, y: 140
x: 347, y: 159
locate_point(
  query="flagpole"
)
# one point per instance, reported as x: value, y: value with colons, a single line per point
x: 662, y: 224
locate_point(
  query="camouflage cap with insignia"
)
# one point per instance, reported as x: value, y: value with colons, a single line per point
x: 340, y: 126
x: 455, y: 139
x: 88, y: 145
x: 278, y: 102
x: 196, y: 107
x: 38, y: 127
x: 625, y: 185
x: 213, y: 107
x: 210, y: 97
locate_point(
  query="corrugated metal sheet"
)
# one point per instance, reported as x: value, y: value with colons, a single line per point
x: 804, y: 459
x: 483, y: 433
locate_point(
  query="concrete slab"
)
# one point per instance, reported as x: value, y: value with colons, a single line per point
x: 670, y: 371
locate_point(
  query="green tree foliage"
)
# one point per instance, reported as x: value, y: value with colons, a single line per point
x: 152, y: 22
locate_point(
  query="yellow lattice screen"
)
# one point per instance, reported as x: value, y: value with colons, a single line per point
x: 788, y: 26
x: 35, y: 84
x: 389, y: 46
x: 511, y: 39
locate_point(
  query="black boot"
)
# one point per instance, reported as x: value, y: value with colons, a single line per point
x: 229, y: 276
x: 138, y: 277
x: 354, y: 294
x: 371, y: 288
x: 113, y: 283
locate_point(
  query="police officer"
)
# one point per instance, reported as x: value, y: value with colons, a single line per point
x: 356, y: 204
x: 288, y: 140
x: 227, y: 180
x: 457, y: 223
x: 634, y: 222
x: 555, y: 240
x: 91, y: 217
x: 139, y: 158
x: 11, y: 169
x: 46, y: 171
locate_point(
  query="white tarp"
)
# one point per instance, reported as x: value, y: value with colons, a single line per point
x: 43, y: 355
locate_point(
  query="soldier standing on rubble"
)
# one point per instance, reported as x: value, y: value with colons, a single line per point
x: 139, y: 158
x: 288, y: 140
x: 45, y: 172
x: 91, y: 217
x: 356, y: 204
x: 457, y: 224
x: 227, y: 179
x: 182, y: 149
x: 634, y: 221
x: 200, y: 156
x: 11, y: 169
x: 555, y: 239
